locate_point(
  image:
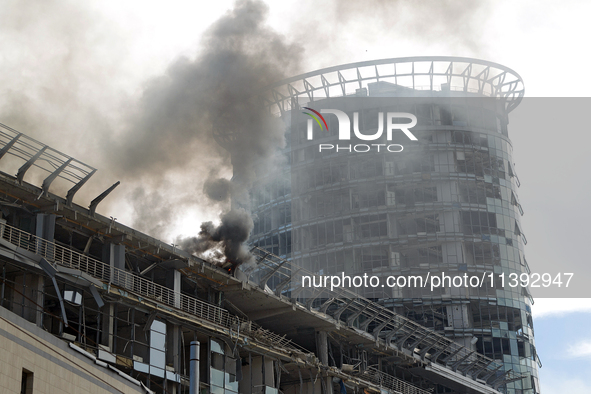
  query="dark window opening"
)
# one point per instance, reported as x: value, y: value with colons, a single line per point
x: 27, y: 382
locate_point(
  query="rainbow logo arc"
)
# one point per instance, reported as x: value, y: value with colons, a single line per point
x: 315, y: 118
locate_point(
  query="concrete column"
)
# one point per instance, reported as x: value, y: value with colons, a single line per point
x: 38, y: 284
x: 173, y: 281
x: 31, y: 286
x: 322, y: 341
x: 177, y: 288
x: 45, y: 229
x: 45, y: 226
x: 114, y: 255
x: 108, y: 320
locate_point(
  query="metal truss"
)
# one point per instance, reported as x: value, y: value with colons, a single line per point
x: 404, y: 335
x: 35, y: 153
x: 430, y: 73
x: 473, y: 77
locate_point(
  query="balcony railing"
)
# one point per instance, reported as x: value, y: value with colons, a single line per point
x: 65, y: 257
x: 131, y: 282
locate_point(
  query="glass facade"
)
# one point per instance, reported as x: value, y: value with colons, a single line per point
x: 222, y: 374
x: 445, y: 204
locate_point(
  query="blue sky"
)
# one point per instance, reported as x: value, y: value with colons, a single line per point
x: 564, y: 344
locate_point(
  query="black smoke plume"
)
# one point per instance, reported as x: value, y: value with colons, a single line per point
x: 217, y: 189
x: 229, y: 237
x: 160, y: 145
x: 217, y: 94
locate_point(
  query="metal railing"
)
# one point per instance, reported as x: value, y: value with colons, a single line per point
x: 456, y: 73
x: 391, y: 383
x: 126, y: 280
x: 396, y: 330
x: 65, y: 257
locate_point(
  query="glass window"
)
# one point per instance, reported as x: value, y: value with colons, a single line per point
x: 157, y: 348
x: 213, y: 389
x: 216, y: 346
x: 217, y: 361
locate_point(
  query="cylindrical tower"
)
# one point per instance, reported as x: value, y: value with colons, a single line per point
x: 446, y: 204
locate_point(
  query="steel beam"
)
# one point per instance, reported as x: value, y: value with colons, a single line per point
x: 438, y: 353
x: 279, y: 288
x: 47, y: 181
x: 312, y: 298
x: 392, y: 333
x: 25, y: 167
x: 400, y: 342
x: 497, y: 381
x: 448, y: 358
x: 418, y: 341
x: 268, y: 276
x: 101, y: 197
x: 326, y: 304
x: 338, y: 312
x: 478, y: 368
x: 51, y: 271
x: 9, y: 145
x: 355, y: 315
x: 378, y: 329
x: 491, y: 373
x: 457, y: 363
x: 363, y: 326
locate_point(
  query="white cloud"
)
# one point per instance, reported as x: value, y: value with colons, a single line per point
x: 545, y: 307
x: 580, y: 349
